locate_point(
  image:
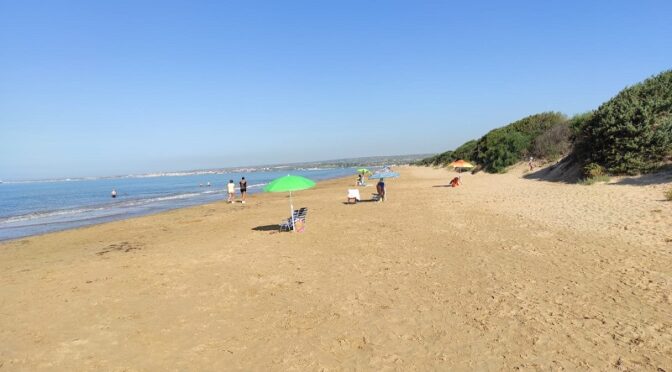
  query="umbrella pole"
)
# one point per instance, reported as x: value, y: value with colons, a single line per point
x: 291, y: 212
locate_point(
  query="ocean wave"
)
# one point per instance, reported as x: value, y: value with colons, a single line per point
x: 47, y: 214
x: 257, y: 185
x: 111, y: 207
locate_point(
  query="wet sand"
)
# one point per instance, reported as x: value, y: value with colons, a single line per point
x: 498, y: 274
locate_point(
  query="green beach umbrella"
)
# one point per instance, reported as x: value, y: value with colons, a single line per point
x: 289, y: 183
x: 363, y: 170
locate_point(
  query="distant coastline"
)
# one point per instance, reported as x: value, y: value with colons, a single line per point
x: 302, y: 166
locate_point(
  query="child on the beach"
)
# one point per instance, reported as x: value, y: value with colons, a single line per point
x: 380, y: 188
x: 231, y: 188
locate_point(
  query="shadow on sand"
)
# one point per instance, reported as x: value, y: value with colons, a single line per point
x: 274, y: 227
x: 664, y: 175
x: 567, y: 172
x: 564, y: 171
x: 361, y: 201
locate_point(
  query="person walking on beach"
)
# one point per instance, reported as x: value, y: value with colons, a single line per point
x: 380, y: 188
x: 531, y: 164
x: 231, y: 188
x: 243, y: 189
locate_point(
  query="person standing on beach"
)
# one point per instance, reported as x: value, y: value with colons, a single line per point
x: 243, y: 189
x: 231, y: 188
x: 531, y: 164
x: 380, y: 188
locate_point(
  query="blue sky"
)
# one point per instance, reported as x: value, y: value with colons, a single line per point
x: 113, y: 87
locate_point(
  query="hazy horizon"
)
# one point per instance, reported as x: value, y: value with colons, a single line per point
x: 262, y: 165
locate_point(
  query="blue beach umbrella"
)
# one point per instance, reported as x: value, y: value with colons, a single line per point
x: 385, y: 173
x: 388, y: 174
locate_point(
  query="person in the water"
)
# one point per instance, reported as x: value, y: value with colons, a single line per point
x: 114, y: 193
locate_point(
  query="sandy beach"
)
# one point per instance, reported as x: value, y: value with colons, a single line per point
x: 501, y: 273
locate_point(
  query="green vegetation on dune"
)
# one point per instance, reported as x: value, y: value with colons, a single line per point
x: 593, y: 180
x: 503, y: 147
x: 464, y: 152
x: 629, y: 134
x: 632, y: 132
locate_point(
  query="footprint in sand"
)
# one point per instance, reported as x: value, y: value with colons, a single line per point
x: 120, y: 247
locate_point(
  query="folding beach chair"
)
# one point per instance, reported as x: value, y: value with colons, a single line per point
x: 297, y: 221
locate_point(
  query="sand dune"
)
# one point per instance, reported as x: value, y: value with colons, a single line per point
x: 501, y: 273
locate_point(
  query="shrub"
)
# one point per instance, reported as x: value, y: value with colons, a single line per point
x: 632, y: 132
x: 500, y: 149
x: 578, y: 122
x: 668, y: 194
x: 536, y: 124
x: 465, y: 152
x: 593, y: 170
x: 508, y: 145
x: 591, y: 180
x: 553, y: 143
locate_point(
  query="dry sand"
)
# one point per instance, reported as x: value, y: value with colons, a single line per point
x: 501, y: 273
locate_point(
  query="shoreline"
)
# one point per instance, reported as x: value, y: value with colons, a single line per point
x: 258, y: 196
x: 117, y: 211
x: 497, y: 274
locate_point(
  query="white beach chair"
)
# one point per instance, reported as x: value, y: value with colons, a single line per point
x: 353, y: 196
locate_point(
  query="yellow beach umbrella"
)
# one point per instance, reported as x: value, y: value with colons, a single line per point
x: 461, y: 164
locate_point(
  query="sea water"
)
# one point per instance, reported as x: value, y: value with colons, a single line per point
x: 37, y: 207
